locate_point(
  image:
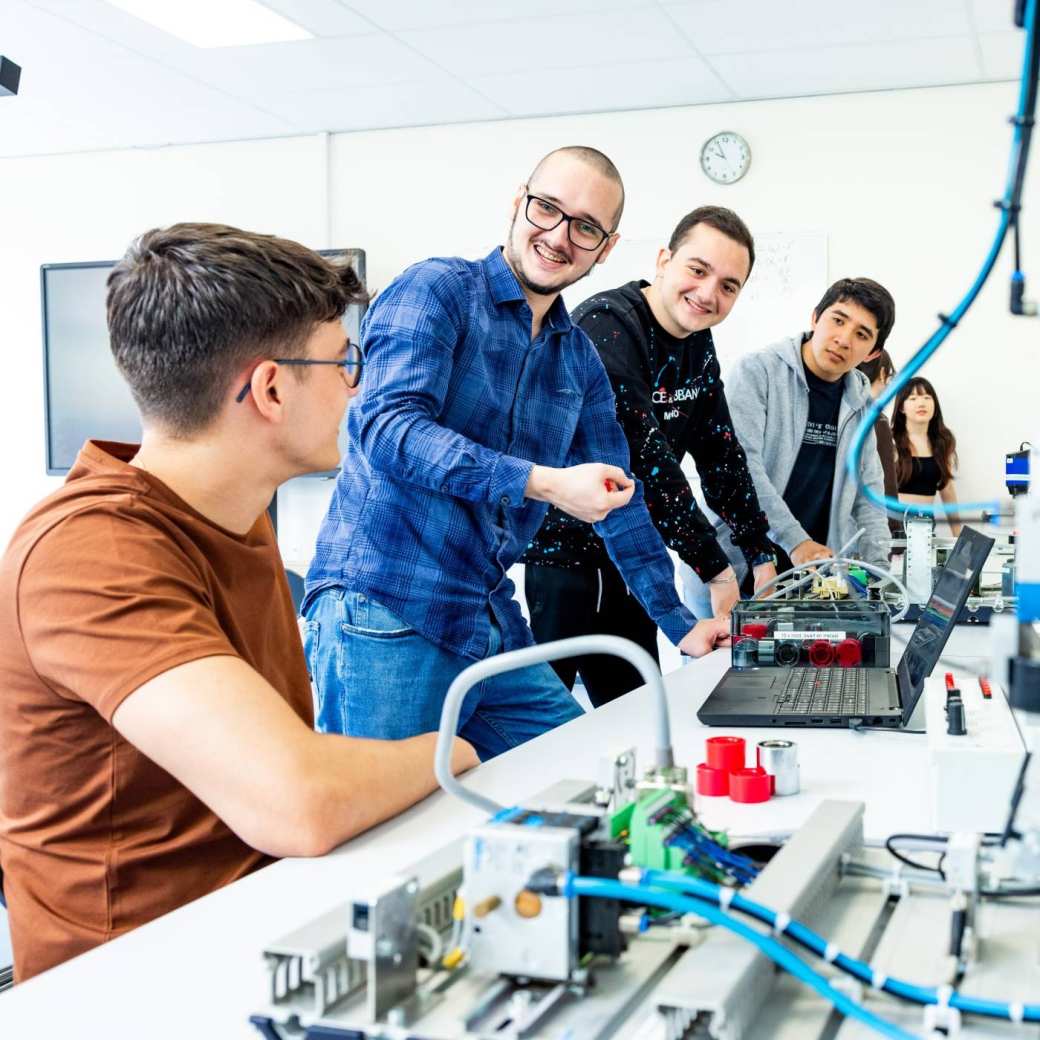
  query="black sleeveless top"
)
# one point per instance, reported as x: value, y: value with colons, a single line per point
x: 924, y: 478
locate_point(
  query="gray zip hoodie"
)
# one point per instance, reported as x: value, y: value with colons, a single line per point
x: 769, y: 403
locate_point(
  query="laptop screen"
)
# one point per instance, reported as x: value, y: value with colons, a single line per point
x: 940, y: 613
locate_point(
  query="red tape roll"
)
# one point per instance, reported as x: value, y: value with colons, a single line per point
x: 750, y: 785
x: 711, y: 781
x: 726, y: 753
x: 755, y: 630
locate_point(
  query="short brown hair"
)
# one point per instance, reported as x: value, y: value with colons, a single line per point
x: 190, y: 305
x: 719, y: 218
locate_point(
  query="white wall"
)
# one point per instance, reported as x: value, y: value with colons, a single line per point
x: 900, y: 182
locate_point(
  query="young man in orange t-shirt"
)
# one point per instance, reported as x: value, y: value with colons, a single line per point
x: 156, y: 735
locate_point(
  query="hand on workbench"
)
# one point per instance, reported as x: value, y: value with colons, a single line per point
x: 807, y: 551
x: 705, y: 636
x: 588, y: 491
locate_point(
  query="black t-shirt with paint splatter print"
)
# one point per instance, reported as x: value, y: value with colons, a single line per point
x: 670, y: 403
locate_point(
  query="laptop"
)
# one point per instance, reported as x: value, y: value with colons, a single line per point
x: 849, y: 697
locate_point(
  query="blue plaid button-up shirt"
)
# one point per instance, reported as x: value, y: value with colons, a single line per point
x: 457, y: 404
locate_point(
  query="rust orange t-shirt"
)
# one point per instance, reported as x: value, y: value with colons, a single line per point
x: 109, y: 582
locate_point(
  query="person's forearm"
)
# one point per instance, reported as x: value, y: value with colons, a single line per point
x: 353, y: 784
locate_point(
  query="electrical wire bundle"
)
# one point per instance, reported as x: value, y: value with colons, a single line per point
x: 713, y: 903
x: 703, y: 852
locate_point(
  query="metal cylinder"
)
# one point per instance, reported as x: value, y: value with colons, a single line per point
x: 779, y: 758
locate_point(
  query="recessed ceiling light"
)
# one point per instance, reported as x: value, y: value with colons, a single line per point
x: 215, y: 23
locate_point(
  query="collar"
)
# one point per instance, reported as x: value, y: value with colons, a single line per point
x: 506, y: 289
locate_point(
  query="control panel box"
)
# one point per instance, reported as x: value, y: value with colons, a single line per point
x: 811, y: 633
x: 973, y: 766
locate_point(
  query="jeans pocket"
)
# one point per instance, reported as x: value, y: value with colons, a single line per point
x: 311, y: 632
x: 367, y: 617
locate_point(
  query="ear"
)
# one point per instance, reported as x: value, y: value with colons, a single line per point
x: 813, y: 320
x: 612, y: 241
x: 663, y: 256
x: 518, y: 198
x: 265, y: 391
x: 871, y: 356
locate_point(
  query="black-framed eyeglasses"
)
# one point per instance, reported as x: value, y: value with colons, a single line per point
x: 547, y: 215
x: 350, y: 367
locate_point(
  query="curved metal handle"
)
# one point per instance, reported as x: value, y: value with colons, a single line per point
x: 615, y: 646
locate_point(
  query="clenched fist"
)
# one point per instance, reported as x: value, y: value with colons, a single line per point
x: 588, y: 491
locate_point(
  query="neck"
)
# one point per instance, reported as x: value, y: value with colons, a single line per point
x: 209, y: 476
x: 917, y: 430
x: 540, y: 306
x: 538, y: 302
x: 661, y: 316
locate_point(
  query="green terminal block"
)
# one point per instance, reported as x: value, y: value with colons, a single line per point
x: 636, y: 823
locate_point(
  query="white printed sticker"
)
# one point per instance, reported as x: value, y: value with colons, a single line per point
x: 831, y: 637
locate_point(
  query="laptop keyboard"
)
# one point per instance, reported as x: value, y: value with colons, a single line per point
x: 823, y: 691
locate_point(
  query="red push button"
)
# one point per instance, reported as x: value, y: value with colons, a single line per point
x: 848, y: 653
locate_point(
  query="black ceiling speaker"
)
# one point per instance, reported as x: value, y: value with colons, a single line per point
x: 10, y: 74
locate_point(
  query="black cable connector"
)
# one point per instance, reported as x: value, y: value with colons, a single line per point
x: 546, y: 881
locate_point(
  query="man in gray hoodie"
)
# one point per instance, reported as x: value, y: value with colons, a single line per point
x: 795, y: 407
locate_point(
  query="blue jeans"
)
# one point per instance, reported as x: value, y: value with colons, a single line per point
x: 377, y: 677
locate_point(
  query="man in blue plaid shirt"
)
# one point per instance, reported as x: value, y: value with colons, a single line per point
x: 481, y: 404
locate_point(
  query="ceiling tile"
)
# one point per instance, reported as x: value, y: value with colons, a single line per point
x: 1002, y: 54
x: 305, y: 65
x: 827, y: 70
x: 725, y: 27
x: 550, y: 43
x: 633, y: 85
x: 399, y: 104
x: 421, y: 14
x: 125, y: 103
x: 321, y: 17
x: 992, y: 15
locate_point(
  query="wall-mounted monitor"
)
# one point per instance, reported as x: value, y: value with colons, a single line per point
x: 85, y: 397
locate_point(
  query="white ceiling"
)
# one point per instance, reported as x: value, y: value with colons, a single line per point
x: 95, y: 77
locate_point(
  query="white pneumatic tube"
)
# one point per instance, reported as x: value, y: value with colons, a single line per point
x: 576, y: 647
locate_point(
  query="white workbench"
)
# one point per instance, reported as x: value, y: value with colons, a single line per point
x: 197, y: 972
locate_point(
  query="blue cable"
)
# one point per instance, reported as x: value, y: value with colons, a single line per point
x: 606, y: 889
x: 700, y: 845
x: 932, y: 344
x: 811, y: 940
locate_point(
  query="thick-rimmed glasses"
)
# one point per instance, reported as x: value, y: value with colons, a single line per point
x: 350, y: 368
x: 547, y: 215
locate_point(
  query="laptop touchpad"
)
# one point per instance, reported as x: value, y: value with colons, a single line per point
x: 760, y: 680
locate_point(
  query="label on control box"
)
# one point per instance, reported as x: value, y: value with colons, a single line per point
x: 831, y: 637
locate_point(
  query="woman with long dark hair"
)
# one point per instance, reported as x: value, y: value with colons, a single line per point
x: 926, y: 449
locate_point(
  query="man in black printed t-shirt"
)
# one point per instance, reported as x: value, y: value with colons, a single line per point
x: 656, y: 344
x: 796, y: 406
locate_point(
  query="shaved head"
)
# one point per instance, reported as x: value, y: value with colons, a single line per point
x: 593, y: 158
